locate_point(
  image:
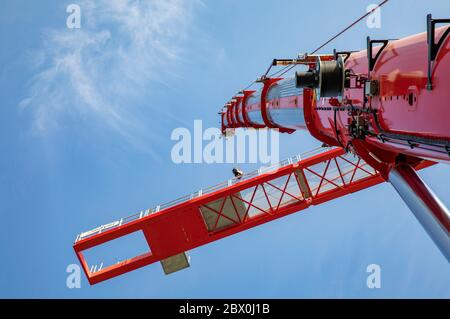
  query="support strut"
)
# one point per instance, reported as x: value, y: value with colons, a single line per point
x: 426, y: 206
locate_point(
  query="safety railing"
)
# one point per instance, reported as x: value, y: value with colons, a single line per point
x: 205, y: 191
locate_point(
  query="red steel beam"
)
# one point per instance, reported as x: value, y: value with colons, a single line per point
x: 182, y: 227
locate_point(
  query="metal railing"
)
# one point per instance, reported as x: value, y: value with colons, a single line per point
x: 205, y: 191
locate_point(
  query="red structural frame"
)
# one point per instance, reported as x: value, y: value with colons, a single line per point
x: 267, y: 84
x: 237, y: 106
x: 182, y: 227
x: 247, y: 122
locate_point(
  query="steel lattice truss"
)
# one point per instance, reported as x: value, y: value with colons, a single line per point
x: 247, y: 203
x: 300, y: 185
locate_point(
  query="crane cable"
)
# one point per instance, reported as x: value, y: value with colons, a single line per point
x: 287, y: 68
x: 351, y: 25
x: 280, y: 72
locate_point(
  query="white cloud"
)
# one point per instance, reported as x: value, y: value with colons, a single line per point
x: 95, y: 73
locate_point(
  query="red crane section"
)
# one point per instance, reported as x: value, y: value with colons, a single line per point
x: 388, y: 100
x: 229, y: 208
x: 388, y: 104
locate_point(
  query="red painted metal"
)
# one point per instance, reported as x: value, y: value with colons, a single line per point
x: 247, y: 94
x: 315, y: 128
x: 403, y: 121
x: 240, y: 107
x: 229, y: 121
x: 223, y: 115
x: 238, y: 110
x: 266, y: 86
x: 404, y: 106
x: 253, y: 107
x: 231, y: 107
x: 266, y: 196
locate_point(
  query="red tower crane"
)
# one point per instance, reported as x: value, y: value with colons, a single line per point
x: 382, y: 114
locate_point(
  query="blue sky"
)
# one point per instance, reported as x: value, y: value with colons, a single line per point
x: 85, y: 125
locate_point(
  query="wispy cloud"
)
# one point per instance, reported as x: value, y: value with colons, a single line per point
x: 96, y: 73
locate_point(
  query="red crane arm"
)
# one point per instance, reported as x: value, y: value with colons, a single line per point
x: 229, y: 208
